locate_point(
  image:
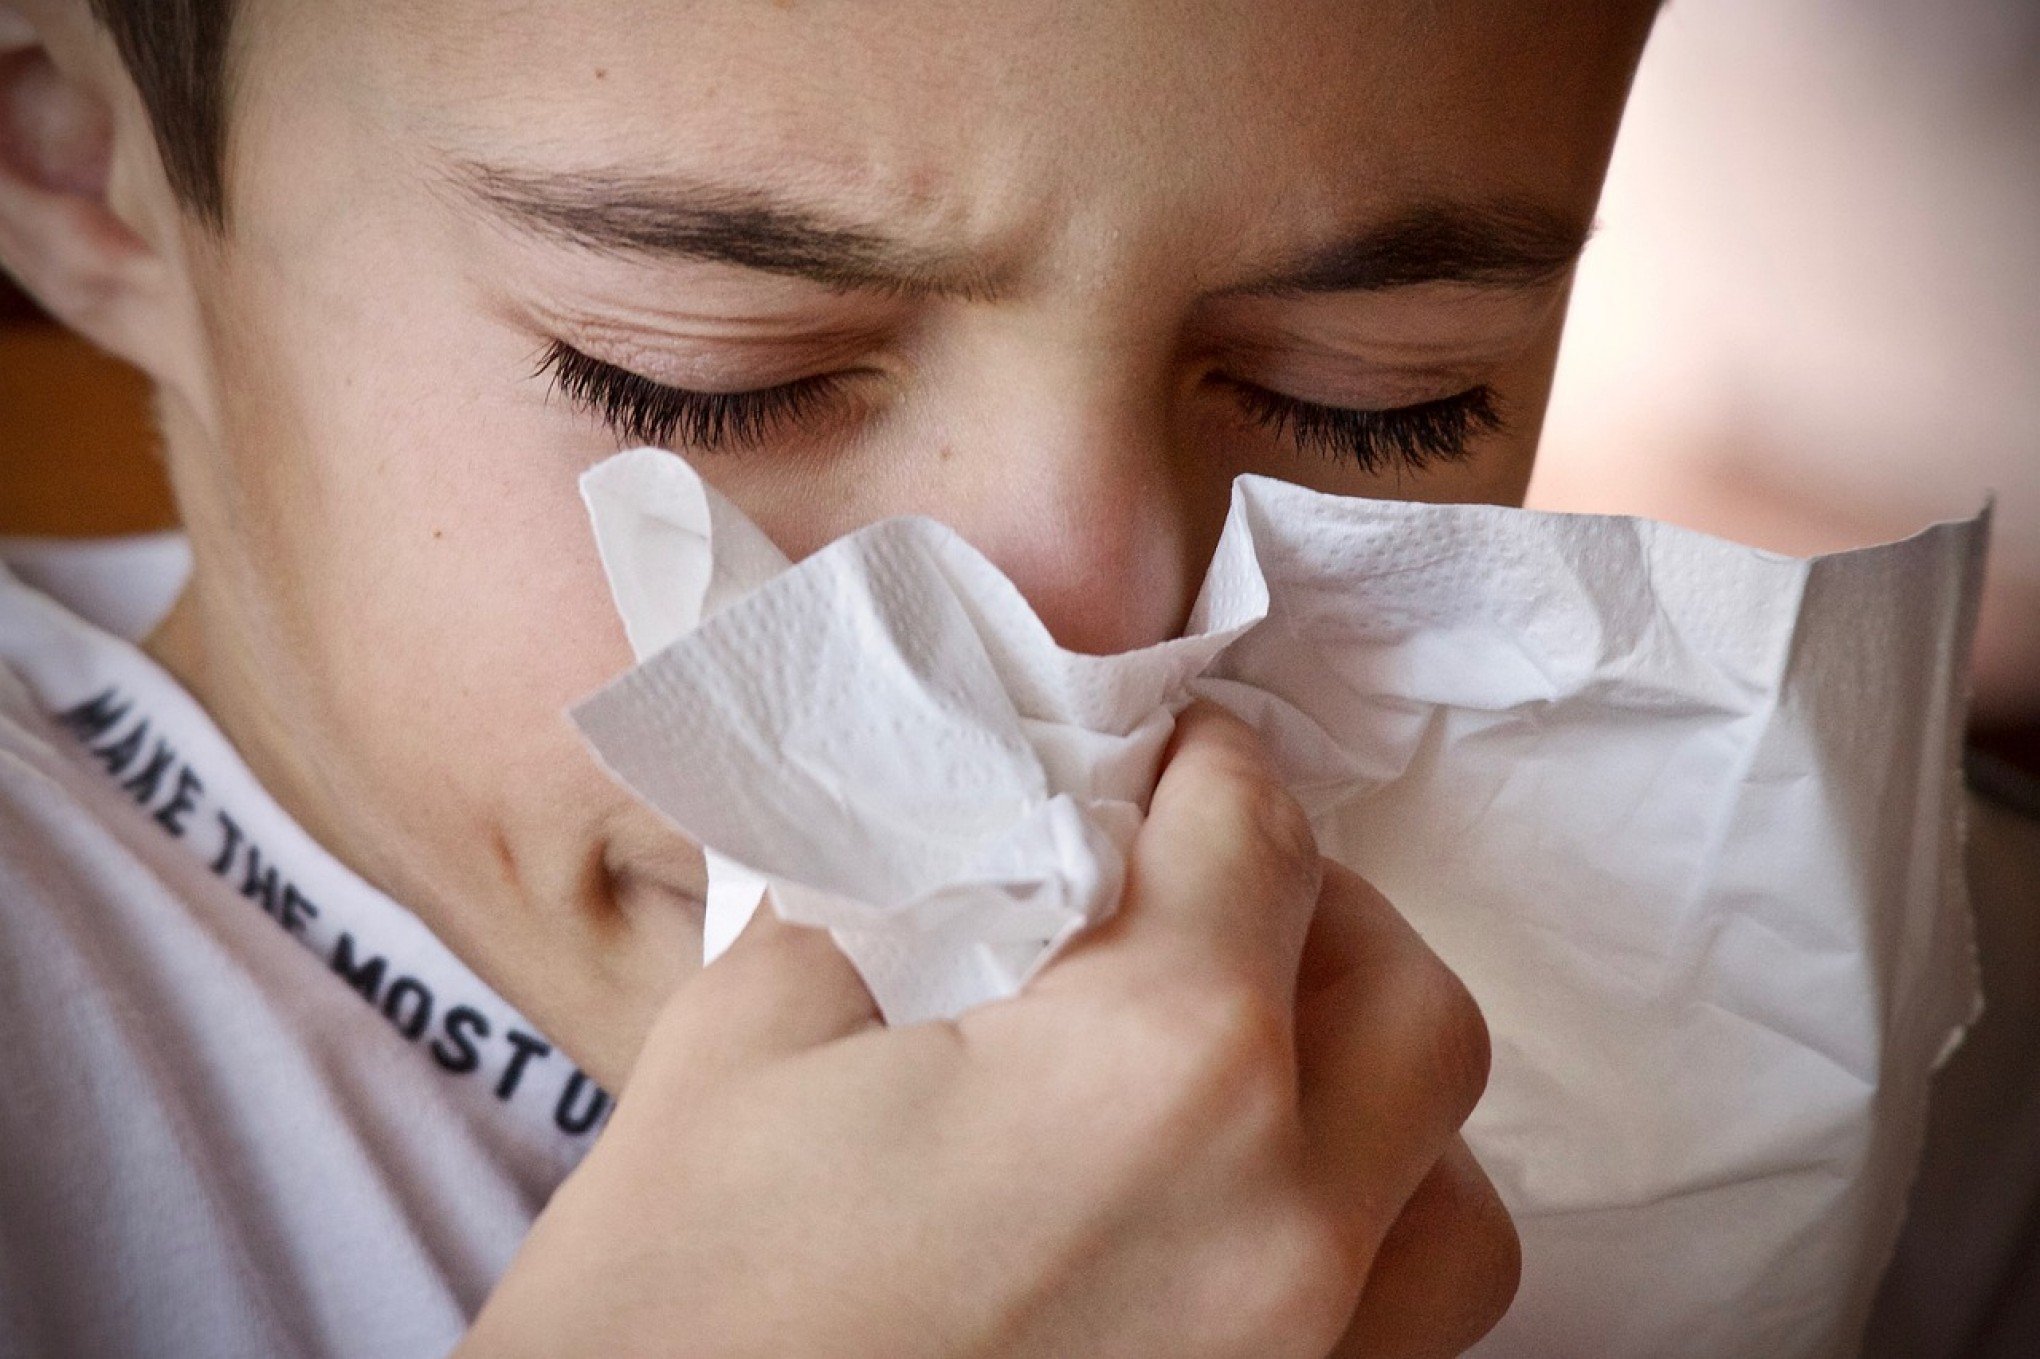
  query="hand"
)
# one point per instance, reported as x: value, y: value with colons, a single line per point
x: 1448, y: 1268
x: 1171, y: 1144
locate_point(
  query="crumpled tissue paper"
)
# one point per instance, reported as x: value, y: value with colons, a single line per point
x: 1684, y: 815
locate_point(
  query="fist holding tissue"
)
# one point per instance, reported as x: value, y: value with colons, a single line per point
x: 1682, y: 814
x: 1195, y: 1136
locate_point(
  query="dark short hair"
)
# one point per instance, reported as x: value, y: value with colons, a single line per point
x: 176, y: 52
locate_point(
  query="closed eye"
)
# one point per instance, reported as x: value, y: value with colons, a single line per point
x: 1407, y: 437
x: 639, y: 410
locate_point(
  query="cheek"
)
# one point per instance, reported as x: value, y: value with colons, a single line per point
x: 416, y: 544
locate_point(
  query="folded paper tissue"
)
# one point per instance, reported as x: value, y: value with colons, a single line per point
x: 1684, y: 815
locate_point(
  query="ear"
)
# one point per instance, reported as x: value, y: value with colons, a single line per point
x: 102, y: 261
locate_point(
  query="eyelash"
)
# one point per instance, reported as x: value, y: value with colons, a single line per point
x: 642, y: 411
x: 646, y: 412
x: 1411, y: 438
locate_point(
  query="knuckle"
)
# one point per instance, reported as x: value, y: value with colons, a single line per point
x: 1239, y: 806
x: 1504, y: 1276
x: 1488, y: 1257
x: 1297, y: 1282
x: 1276, y: 826
x: 1503, y: 1272
x: 1222, y: 1055
x: 1244, y: 1053
x: 1447, y: 1271
x: 1461, y: 1047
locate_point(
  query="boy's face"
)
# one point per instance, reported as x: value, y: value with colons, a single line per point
x: 1052, y: 273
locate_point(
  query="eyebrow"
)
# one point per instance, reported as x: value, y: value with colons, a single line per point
x: 720, y: 224
x: 1495, y: 245
x: 1501, y: 245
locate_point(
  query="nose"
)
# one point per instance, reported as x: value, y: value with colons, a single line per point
x: 1077, y: 493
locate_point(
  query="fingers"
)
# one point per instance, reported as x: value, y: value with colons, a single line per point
x: 1223, y: 876
x: 781, y: 989
x: 1446, y: 1272
x: 1391, y: 1050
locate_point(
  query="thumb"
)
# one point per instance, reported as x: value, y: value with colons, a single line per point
x: 779, y: 990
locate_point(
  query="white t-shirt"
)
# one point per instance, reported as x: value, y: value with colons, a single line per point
x: 248, y: 1104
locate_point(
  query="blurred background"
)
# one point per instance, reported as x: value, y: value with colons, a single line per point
x: 1811, y: 316
x: 76, y: 449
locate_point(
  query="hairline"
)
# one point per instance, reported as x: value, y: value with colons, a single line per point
x: 178, y: 54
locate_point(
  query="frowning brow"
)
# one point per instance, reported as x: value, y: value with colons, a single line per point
x: 717, y: 223
x: 1481, y: 245
x: 1485, y: 245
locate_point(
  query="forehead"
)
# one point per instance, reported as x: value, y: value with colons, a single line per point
x: 988, y: 114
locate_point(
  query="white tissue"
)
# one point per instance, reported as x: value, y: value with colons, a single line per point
x: 1683, y: 814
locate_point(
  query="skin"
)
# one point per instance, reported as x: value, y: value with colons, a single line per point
x: 1253, y: 1094
x: 396, y: 593
x: 364, y: 458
